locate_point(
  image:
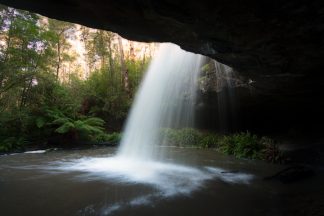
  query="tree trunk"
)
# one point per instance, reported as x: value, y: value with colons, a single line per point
x: 25, y: 92
x: 59, y: 53
x: 58, y: 59
x: 124, y: 70
x: 111, y: 66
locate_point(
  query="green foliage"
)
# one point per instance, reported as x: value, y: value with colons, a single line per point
x: 227, y: 145
x: 12, y: 143
x: 209, y: 140
x: 246, y: 145
x: 180, y: 137
x: 40, y: 121
x: 109, y: 101
x: 80, y: 126
x: 65, y: 127
x: 242, y: 145
x: 23, y: 58
x: 188, y: 137
x: 42, y: 98
x: 14, y: 127
x: 113, y: 138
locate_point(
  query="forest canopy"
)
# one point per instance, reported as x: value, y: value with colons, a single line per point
x: 61, y: 82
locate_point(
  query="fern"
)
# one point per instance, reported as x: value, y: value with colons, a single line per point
x: 94, y: 121
x: 65, y: 128
x: 62, y: 120
x: 40, y: 122
x: 86, y: 126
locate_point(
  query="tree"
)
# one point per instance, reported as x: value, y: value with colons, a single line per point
x: 98, y: 44
x: 62, y: 32
x: 124, y: 70
x: 35, y: 60
x: 24, y: 55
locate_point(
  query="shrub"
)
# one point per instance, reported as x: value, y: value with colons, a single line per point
x: 71, y: 127
x: 112, y: 138
x: 227, y: 145
x: 11, y: 143
x: 209, y: 141
x: 247, y: 146
x: 181, y: 137
x: 168, y: 136
x: 88, y: 127
x: 189, y: 137
x: 242, y: 145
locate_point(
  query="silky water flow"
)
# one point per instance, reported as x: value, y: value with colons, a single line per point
x: 165, y: 99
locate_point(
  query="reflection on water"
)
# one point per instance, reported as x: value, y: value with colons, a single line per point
x: 87, y: 183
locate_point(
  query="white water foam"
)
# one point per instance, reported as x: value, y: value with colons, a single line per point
x: 168, y: 179
x: 35, y: 152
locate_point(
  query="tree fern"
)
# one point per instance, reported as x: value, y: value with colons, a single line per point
x: 61, y: 120
x: 86, y: 127
x: 94, y: 121
x: 65, y: 128
x: 40, y: 122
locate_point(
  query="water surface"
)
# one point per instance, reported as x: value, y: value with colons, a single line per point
x: 191, y: 182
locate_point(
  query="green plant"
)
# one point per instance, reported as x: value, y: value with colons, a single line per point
x: 112, y: 138
x: 242, y: 145
x: 10, y: 143
x: 189, y: 137
x: 181, y: 137
x: 85, y: 126
x: 247, y: 146
x: 209, y: 141
x: 227, y: 145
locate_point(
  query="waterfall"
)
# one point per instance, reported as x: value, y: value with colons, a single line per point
x: 165, y: 99
x: 226, y: 97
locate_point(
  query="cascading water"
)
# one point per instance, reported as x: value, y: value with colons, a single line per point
x: 226, y: 97
x: 165, y: 99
